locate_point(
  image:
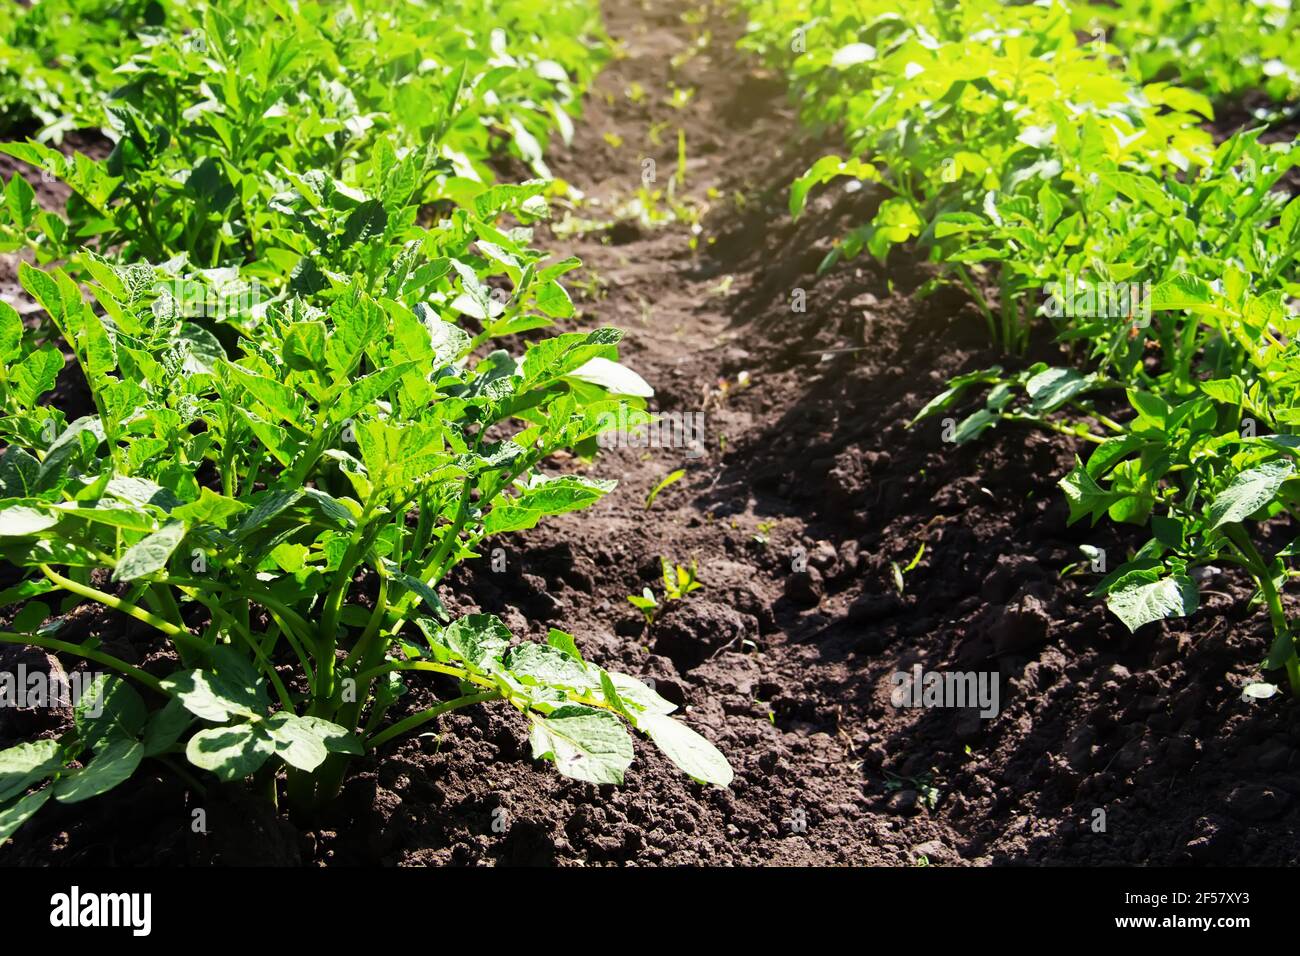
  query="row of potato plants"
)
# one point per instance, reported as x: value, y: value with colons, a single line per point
x: 1225, y: 48
x: 294, y: 293
x: 1062, y: 192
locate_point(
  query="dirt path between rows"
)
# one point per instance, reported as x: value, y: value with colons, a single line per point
x: 807, y: 490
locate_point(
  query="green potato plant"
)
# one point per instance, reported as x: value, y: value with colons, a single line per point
x: 953, y: 109
x: 310, y: 377
x: 231, y: 117
x: 1222, y: 47
x: 299, y: 506
x: 1066, y: 184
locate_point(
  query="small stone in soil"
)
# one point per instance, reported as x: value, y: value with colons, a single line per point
x: 906, y: 802
x: 804, y: 588
x: 1256, y: 803
x: 935, y: 851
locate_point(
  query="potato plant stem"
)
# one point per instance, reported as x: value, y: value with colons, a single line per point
x: 431, y: 713
x: 181, y: 636
x: 1259, y: 569
x: 97, y: 657
x: 287, y: 614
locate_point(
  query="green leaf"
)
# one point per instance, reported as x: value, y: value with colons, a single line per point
x: 1228, y: 391
x: 126, y: 518
x: 692, y: 754
x: 279, y: 399
x: 269, y: 504
x: 213, y: 696
x: 612, y: 697
x: 140, y: 491
x: 548, y: 666
x: 337, y: 738
x: 21, y: 521
x: 559, y: 355
x: 639, y: 696
x: 150, y: 554
x: 36, y: 374
x: 304, y: 347
x: 668, y: 479
x: 1053, y: 387
x: 11, y: 333
x: 563, y: 641
x: 427, y: 594
x: 1249, y: 491
x: 823, y: 171
x: 585, y: 743
x: 21, y: 200
x: 1142, y: 189
x: 853, y: 54
x: 1180, y: 98
x: 365, y: 390
x: 1143, y: 596
x: 974, y: 425
x: 101, y: 357
x: 231, y: 753
x: 13, y: 815
x: 614, y: 378
x: 210, y: 508
x: 296, y: 741
x: 895, y: 221
x: 202, y: 350
x: 553, y: 299
x: 41, y: 287
x: 477, y: 300
x: 1179, y: 292
x: 112, y: 764
x: 474, y: 638
x: 489, y: 203
x: 19, y: 473
x: 368, y: 219
x: 357, y: 320
x: 956, y: 389
x: 1084, y: 495
x: 25, y: 764
x: 25, y: 591
x: 546, y: 496
x: 109, y: 708
x: 165, y: 727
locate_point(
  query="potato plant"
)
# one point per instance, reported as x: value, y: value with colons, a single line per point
x: 227, y: 117
x: 1028, y: 162
x: 1221, y: 47
x: 954, y: 109
x: 299, y: 504
x: 277, y: 490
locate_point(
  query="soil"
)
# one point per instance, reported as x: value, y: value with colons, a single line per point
x: 808, y: 490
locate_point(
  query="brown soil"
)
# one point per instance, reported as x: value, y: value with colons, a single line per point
x: 789, y: 671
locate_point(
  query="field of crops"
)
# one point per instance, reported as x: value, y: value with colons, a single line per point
x: 807, y: 432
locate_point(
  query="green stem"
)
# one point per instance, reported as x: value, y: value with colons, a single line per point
x: 1056, y: 427
x: 167, y: 604
x: 424, y: 716
x: 264, y: 598
x: 97, y: 657
x: 979, y: 299
x: 182, y: 637
x: 362, y: 646
x: 457, y: 672
x: 332, y: 607
x: 1277, y: 613
x: 246, y: 636
x: 264, y: 782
